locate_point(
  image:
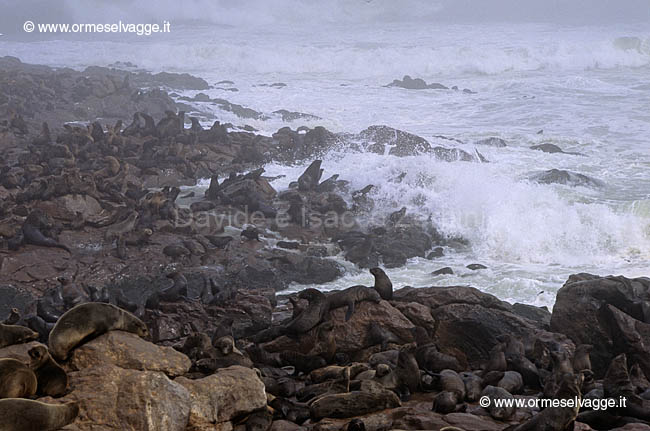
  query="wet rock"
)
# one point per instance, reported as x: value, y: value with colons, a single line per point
x: 443, y: 271
x: 492, y: 142
x: 558, y: 176
x: 435, y: 253
x: 577, y: 312
x: 380, y: 139
x: 415, y: 84
x: 552, y: 149
x: 475, y: 266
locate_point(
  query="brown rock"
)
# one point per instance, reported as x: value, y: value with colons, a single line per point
x: 470, y: 422
x: 113, y: 398
x: 576, y: 311
x: 19, y: 351
x: 127, y: 350
x: 227, y: 394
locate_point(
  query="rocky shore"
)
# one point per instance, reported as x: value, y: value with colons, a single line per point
x: 93, y: 212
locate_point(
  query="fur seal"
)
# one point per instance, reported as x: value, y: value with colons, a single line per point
x: 497, y: 361
x: 302, y: 363
x: 226, y: 355
x: 13, y: 318
x: 310, y: 316
x: 581, y: 360
x: 27, y: 415
x: 89, y: 320
x: 32, y: 233
x: 118, y: 229
x: 444, y: 402
x: 16, y: 379
x: 350, y: 296
x: 556, y: 418
x: 473, y: 385
x: 52, y: 379
x: 311, y: 177
x: 501, y: 413
x: 383, y: 284
x: 450, y: 381
x: 15, y: 334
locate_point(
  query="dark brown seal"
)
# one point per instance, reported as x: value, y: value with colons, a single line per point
x: 52, y: 378
x: 89, y: 320
x: 383, y: 284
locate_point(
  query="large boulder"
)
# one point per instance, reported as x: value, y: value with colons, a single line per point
x: 127, y: 350
x: 580, y: 312
x: 228, y: 394
x: 114, y: 398
x: 468, y: 319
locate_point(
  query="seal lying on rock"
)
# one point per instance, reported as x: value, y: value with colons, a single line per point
x: 52, y: 379
x: 16, y: 380
x: 350, y: 296
x: 15, y: 334
x: 87, y: 321
x: 26, y: 415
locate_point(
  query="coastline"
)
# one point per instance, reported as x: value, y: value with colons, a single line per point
x: 102, y: 197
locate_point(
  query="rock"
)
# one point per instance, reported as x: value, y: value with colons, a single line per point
x: 577, y: 312
x: 443, y: 271
x: 436, y: 252
x: 531, y: 312
x: 558, y: 176
x: 415, y: 84
x: 19, y: 351
x: 552, y: 148
x: 355, y: 334
x: 470, y: 422
x: 492, y: 142
x: 127, y: 350
x: 113, y: 398
x: 399, y: 143
x: 468, y: 319
x: 228, y: 394
x: 476, y: 266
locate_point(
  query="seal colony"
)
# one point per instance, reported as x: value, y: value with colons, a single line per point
x: 101, y: 248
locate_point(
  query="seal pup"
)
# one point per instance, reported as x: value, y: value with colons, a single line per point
x: 15, y: 334
x: 16, y: 380
x: 350, y: 297
x: 89, y: 320
x: 310, y: 316
x: 19, y: 414
x: 52, y: 378
x: 383, y: 284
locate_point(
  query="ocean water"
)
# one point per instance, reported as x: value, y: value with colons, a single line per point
x: 587, y: 88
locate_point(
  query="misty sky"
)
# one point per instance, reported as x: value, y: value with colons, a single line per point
x: 270, y: 12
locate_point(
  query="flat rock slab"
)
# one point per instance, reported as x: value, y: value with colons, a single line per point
x: 127, y: 350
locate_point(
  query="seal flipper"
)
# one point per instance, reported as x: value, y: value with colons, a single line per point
x: 350, y: 311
